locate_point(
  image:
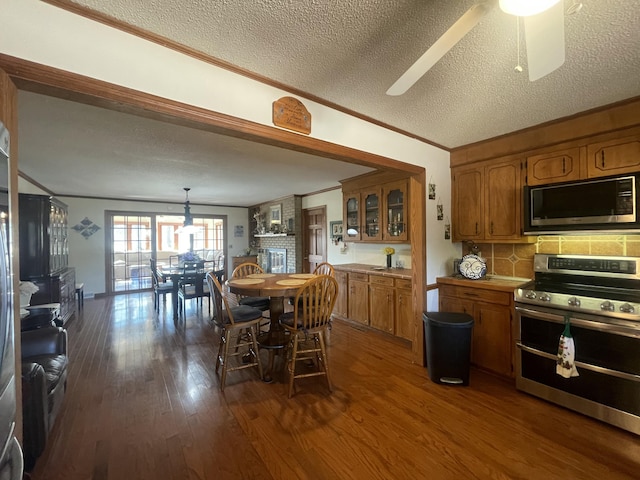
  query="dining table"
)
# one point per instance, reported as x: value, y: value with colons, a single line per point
x: 176, y: 275
x: 278, y: 287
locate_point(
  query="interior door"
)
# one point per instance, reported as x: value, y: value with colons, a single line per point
x: 314, y: 238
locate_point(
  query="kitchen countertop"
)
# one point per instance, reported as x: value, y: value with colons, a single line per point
x: 505, y: 284
x: 404, y: 273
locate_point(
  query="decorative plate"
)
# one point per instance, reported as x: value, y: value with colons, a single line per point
x: 473, y: 267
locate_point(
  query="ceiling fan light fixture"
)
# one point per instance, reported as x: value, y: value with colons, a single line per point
x: 526, y: 8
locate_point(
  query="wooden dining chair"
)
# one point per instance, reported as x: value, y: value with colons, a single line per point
x: 307, y: 325
x: 324, y: 268
x: 244, y: 270
x: 160, y: 288
x: 239, y: 328
x: 192, y: 286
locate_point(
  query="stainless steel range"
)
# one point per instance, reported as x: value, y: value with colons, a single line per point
x: 599, y: 296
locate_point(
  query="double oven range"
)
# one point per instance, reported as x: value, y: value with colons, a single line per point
x: 600, y: 298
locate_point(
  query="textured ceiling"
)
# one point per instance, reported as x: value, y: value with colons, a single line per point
x: 348, y: 53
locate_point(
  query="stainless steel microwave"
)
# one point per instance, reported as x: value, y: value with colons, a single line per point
x: 597, y: 205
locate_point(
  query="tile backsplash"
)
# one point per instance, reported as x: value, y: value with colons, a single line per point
x: 516, y: 260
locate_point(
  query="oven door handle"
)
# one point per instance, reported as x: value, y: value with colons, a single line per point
x: 579, y: 322
x: 586, y: 366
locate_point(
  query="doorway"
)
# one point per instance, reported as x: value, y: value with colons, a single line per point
x: 133, y: 239
x: 314, y: 238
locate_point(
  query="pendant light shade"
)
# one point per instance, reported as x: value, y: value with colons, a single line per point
x: 526, y: 8
x: 187, y: 226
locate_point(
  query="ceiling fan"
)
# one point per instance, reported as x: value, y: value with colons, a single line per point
x: 544, y: 35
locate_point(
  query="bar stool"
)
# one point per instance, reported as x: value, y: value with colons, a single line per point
x: 80, y: 295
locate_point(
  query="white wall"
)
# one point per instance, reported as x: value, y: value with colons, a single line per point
x: 41, y: 33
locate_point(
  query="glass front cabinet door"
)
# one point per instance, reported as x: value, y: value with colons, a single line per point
x: 351, y: 216
x: 395, y: 196
x: 371, y: 209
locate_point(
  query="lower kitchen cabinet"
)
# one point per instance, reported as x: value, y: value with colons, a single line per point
x: 382, y: 302
x: 404, y: 309
x: 491, y: 346
x: 341, y: 306
x: 358, y: 302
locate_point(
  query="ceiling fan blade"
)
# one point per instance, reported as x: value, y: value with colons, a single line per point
x: 452, y: 36
x: 544, y: 34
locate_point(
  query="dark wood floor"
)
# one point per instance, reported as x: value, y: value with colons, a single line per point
x: 143, y: 402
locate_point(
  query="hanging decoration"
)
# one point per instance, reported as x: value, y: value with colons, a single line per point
x: 86, y: 228
x: 432, y: 189
x: 447, y: 229
x: 439, y: 210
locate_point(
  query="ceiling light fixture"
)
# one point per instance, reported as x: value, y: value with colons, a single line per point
x: 526, y: 8
x: 187, y: 226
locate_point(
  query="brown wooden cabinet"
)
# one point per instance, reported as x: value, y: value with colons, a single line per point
x: 486, y: 201
x: 352, y: 214
x: 381, y: 303
x: 341, y: 306
x: 371, y: 214
x: 375, y: 210
x: 552, y: 167
x: 612, y: 157
x: 394, y: 204
x: 403, y: 309
x: 358, y: 302
x: 491, y: 310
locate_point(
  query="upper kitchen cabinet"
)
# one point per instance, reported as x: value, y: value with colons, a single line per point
x: 375, y: 208
x: 487, y: 201
x: 394, y: 196
x: 351, y: 215
x: 614, y: 157
x: 554, y: 167
x: 371, y: 221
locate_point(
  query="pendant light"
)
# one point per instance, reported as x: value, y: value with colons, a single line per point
x: 187, y: 226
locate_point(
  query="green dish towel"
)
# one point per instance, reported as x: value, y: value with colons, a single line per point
x: 565, y: 366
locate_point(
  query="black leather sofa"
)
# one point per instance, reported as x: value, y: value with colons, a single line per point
x: 44, y: 382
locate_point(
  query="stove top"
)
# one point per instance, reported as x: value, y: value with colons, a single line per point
x: 603, y: 285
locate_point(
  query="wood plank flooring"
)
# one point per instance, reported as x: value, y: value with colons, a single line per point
x: 143, y: 402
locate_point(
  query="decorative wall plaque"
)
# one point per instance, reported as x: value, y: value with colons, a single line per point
x: 290, y: 113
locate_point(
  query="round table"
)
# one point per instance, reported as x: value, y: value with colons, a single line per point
x: 276, y: 286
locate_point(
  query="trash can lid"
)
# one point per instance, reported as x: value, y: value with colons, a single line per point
x: 449, y: 319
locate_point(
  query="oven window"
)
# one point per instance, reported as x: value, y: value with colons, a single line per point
x: 607, y: 350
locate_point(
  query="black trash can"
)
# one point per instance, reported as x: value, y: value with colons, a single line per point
x: 448, y: 346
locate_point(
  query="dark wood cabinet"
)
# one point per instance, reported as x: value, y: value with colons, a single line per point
x: 44, y: 245
x: 44, y: 252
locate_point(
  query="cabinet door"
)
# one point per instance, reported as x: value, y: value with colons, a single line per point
x: 404, y: 314
x: 371, y: 221
x: 553, y: 167
x: 614, y: 157
x: 467, y: 208
x: 381, y: 307
x: 341, y: 306
x: 491, y: 345
x: 352, y: 216
x: 395, y: 215
x: 358, y: 299
x: 455, y: 305
x: 503, y: 199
